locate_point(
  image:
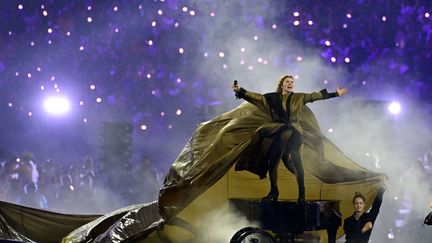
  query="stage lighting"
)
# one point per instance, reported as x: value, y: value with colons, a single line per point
x: 394, y: 108
x: 390, y: 234
x: 56, y: 105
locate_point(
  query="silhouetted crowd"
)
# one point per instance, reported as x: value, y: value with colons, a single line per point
x: 80, y: 188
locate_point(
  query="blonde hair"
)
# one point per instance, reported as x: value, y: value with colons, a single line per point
x: 279, y: 86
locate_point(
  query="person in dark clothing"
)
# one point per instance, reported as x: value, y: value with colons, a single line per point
x: 32, y: 197
x: 285, y: 129
x: 358, y: 227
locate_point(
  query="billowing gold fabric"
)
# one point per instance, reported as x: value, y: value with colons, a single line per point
x: 234, y: 137
x: 122, y: 225
x: 24, y: 223
x: 203, y: 179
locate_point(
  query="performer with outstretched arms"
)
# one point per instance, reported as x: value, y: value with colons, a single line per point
x: 358, y: 227
x: 285, y: 128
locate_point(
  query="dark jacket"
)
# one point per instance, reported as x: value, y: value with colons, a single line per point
x: 353, y: 227
x: 272, y: 104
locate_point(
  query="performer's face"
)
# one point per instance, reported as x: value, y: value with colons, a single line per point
x: 359, y: 205
x: 288, y: 85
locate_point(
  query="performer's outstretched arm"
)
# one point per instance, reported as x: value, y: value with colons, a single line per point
x: 323, y: 94
x: 251, y: 97
x: 373, y: 214
x: 376, y: 205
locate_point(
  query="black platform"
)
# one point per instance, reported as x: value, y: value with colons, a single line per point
x: 288, y: 218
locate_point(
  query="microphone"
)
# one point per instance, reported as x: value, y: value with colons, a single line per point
x: 235, y: 85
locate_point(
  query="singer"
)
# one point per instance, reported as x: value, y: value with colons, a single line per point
x: 285, y: 128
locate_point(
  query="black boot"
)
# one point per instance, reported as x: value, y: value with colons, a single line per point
x: 301, y: 196
x: 272, y: 195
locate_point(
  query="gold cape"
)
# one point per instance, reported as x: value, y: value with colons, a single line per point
x: 203, y: 179
x: 234, y: 137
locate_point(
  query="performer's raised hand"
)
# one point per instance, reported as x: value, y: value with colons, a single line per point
x: 341, y: 91
x: 366, y: 227
x: 235, y: 86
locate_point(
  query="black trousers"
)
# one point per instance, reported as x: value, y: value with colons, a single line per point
x: 285, y: 143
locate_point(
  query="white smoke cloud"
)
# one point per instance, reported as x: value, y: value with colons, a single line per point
x: 221, y: 225
x: 360, y: 123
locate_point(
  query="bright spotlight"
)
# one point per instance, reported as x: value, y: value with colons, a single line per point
x: 394, y: 108
x: 56, y: 105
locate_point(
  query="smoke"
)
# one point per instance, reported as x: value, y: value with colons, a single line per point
x: 239, y: 40
x: 377, y: 140
x: 102, y: 200
x: 221, y: 225
x: 359, y: 123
